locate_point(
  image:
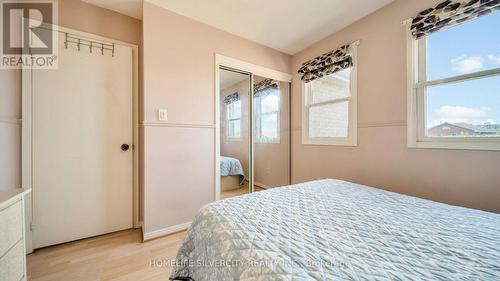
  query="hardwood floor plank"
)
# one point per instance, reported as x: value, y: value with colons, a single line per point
x: 118, y: 256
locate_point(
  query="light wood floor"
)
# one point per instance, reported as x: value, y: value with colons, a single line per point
x: 239, y: 191
x: 118, y: 256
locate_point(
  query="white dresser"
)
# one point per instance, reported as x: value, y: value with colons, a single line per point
x: 12, y: 233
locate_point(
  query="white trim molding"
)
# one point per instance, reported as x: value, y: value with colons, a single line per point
x: 10, y: 120
x: 393, y: 123
x: 221, y: 60
x: 165, y: 231
x: 352, y: 138
x: 181, y: 125
x: 416, y: 59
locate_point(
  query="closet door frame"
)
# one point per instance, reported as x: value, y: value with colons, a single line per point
x: 222, y: 61
x: 26, y: 135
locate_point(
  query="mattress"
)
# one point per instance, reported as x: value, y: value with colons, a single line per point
x: 337, y: 230
x: 230, y: 166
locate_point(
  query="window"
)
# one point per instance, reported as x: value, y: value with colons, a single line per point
x: 233, y: 113
x: 454, y: 101
x: 267, y: 116
x: 330, y: 110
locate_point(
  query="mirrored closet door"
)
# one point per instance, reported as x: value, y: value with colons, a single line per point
x: 254, y: 135
x: 271, y: 133
x: 235, y: 137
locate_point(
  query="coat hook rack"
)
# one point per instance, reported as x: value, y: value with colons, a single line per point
x: 78, y: 41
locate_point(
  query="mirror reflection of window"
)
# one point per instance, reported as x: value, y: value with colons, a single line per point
x: 267, y: 109
x: 233, y: 111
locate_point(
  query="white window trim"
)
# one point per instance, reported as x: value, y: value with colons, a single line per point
x: 352, y: 139
x: 228, y: 122
x: 415, y: 55
x: 258, y: 121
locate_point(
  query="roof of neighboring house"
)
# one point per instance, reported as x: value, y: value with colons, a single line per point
x: 495, y: 127
x: 476, y: 128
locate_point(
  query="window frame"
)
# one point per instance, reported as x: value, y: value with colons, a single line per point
x: 229, y: 120
x: 258, y: 121
x: 417, y: 85
x: 352, y: 130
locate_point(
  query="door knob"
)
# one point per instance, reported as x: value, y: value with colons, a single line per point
x: 125, y: 147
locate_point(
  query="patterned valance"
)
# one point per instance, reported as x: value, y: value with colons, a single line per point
x: 450, y: 13
x: 264, y: 87
x: 331, y: 62
x: 232, y: 98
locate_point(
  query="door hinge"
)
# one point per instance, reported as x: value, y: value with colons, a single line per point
x: 32, y: 227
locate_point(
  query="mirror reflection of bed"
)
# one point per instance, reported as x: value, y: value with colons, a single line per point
x: 233, y: 180
x: 270, y: 121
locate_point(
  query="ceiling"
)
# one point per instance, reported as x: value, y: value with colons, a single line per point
x: 229, y: 78
x: 285, y: 25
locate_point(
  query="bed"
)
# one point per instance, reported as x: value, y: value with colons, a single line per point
x: 337, y: 230
x: 232, y: 174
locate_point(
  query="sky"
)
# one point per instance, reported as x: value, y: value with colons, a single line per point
x: 466, y: 48
x: 270, y: 103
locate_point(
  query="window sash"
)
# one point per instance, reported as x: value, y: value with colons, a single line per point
x: 461, y: 78
x: 259, y: 116
x: 259, y: 138
x: 231, y: 119
x: 230, y: 129
x: 421, y: 95
x: 306, y: 104
x: 230, y: 110
x: 309, y: 104
x: 334, y: 101
x: 309, y: 101
x: 415, y: 57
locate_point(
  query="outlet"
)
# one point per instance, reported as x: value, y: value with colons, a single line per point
x: 162, y: 114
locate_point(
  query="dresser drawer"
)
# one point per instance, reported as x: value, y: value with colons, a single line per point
x: 12, y: 263
x: 11, y: 220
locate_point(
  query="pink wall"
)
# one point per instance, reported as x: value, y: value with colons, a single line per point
x: 179, y: 75
x: 96, y: 20
x: 73, y: 14
x: 382, y: 158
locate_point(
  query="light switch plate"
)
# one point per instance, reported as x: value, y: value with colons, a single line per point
x: 162, y: 114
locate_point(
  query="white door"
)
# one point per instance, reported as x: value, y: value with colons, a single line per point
x: 82, y: 114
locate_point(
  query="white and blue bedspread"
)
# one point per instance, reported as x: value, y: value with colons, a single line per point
x: 336, y: 230
x: 231, y: 167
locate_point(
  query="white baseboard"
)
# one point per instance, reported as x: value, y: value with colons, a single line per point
x: 165, y: 231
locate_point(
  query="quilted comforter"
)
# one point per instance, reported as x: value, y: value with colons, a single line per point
x: 336, y: 230
x: 230, y: 166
